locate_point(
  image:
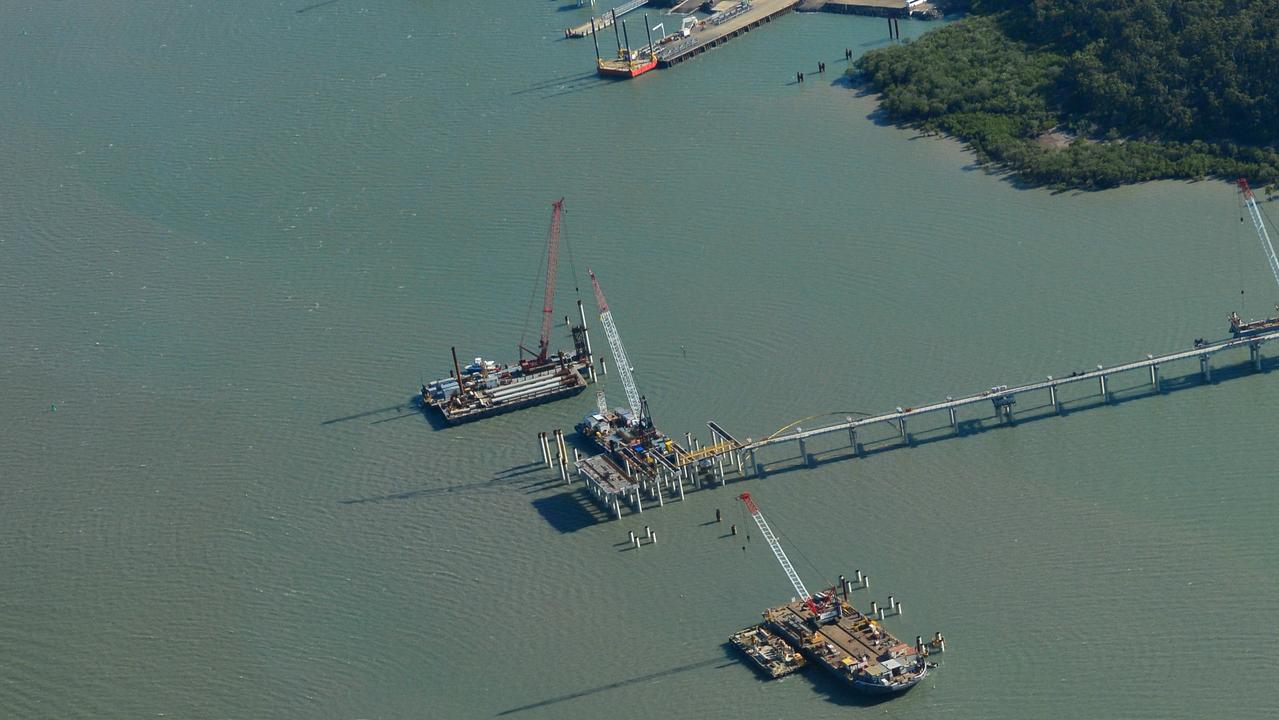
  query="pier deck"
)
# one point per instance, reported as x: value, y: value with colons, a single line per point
x: 722, y: 27
x: 698, y: 466
x: 605, y: 20
x: 1004, y: 396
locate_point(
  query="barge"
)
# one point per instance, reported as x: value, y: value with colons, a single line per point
x: 850, y: 645
x: 835, y: 636
x: 771, y: 654
x: 485, y: 388
x: 628, y: 63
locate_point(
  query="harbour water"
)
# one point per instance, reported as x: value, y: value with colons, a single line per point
x: 235, y: 236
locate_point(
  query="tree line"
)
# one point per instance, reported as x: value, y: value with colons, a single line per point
x: 1147, y: 89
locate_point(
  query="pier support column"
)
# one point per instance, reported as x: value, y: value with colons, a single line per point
x: 803, y: 448
x: 901, y: 427
x: 857, y: 447
x: 679, y: 486
x: 1205, y: 368
x: 639, y: 501
x: 1101, y: 380
x: 617, y: 507
x: 719, y: 465
x: 658, y: 493
x: 954, y: 422
x: 754, y: 467
x: 1154, y: 376
x: 1052, y: 395
x: 1254, y: 352
x: 546, y: 448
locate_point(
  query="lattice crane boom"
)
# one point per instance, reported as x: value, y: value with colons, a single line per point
x: 767, y: 532
x: 552, y: 266
x: 1250, y: 202
x: 619, y: 352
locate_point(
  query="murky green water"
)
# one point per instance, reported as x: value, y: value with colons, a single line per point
x: 235, y: 236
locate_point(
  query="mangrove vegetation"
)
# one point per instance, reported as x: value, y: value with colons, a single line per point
x: 1097, y: 93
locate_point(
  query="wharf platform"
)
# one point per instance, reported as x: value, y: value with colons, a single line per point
x: 722, y: 27
x: 603, y: 21
x: 874, y: 8
x: 607, y: 483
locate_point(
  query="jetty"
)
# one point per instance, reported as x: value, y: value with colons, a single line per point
x: 655, y: 477
x: 721, y: 27
x: 600, y: 22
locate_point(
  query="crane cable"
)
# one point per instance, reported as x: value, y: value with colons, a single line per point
x: 784, y: 428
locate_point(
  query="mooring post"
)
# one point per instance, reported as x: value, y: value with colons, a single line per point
x: 1205, y: 368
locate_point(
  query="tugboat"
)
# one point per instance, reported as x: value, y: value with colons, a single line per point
x: 629, y: 63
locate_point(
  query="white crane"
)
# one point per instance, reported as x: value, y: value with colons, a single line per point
x: 619, y: 353
x: 777, y: 551
x: 1250, y: 202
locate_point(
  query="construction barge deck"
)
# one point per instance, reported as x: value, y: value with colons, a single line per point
x: 772, y: 655
x: 852, y: 646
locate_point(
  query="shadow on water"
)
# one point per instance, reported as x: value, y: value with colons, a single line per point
x: 414, y: 406
x: 316, y: 6
x: 509, y: 479
x: 716, y: 662
x: 553, y: 82
x: 568, y: 512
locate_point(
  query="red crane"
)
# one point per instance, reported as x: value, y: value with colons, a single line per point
x: 552, y: 264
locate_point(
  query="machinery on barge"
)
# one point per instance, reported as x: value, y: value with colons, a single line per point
x: 484, y: 387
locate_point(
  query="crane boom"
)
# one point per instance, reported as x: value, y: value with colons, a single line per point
x: 777, y: 550
x: 1250, y: 202
x: 552, y: 265
x: 619, y: 352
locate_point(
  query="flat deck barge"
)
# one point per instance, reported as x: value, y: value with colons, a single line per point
x: 852, y: 646
x: 771, y: 654
x: 489, y: 391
